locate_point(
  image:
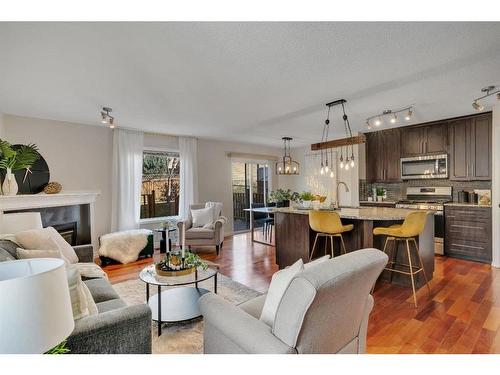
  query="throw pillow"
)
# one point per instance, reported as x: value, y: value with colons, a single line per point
x: 66, y: 249
x: 216, y: 209
x: 46, y: 239
x: 316, y: 261
x: 279, y: 284
x: 9, y: 246
x: 29, y: 254
x: 82, y: 302
x: 202, y: 217
x: 5, y: 255
x: 90, y: 271
x: 77, y: 293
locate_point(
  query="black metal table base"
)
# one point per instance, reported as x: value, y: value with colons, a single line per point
x: 176, y: 304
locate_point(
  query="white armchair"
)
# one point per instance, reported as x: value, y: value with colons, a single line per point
x: 202, y: 236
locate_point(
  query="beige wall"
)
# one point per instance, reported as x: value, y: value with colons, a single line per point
x: 79, y: 157
x: 214, y: 171
x: 1, y: 125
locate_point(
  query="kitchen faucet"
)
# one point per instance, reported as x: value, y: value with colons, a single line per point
x: 337, y: 196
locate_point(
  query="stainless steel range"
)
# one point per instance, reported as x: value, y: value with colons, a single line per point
x: 430, y: 199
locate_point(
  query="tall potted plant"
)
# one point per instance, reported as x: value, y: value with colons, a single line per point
x: 14, y: 160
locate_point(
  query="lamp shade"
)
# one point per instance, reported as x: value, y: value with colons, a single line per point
x: 35, y: 306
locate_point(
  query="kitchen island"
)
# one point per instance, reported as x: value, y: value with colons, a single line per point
x: 294, y: 237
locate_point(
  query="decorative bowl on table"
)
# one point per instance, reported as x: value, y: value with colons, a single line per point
x: 173, y: 264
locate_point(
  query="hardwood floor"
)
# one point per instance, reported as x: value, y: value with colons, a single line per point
x: 461, y: 316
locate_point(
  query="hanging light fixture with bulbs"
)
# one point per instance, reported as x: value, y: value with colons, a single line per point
x: 287, y: 166
x: 325, y: 168
x: 377, y: 120
x: 106, y: 118
x: 488, y: 91
x: 327, y: 161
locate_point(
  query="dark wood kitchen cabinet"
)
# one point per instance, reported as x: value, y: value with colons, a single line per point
x: 470, y: 151
x: 468, y: 232
x: 383, y: 152
x: 427, y: 139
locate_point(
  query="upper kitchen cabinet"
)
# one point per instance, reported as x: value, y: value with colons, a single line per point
x: 481, y: 143
x: 383, y: 152
x: 470, y: 154
x: 427, y: 139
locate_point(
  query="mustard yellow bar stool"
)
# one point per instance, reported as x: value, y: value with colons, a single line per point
x: 329, y: 225
x: 412, y: 226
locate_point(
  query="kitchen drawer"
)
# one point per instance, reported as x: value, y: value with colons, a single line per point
x: 468, y: 233
x: 467, y: 250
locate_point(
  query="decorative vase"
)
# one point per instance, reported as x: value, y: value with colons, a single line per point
x: 9, y: 186
x: 380, y: 198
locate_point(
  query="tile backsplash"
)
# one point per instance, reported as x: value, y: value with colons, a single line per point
x: 397, y: 190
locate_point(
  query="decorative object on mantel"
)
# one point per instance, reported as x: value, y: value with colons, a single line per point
x: 287, y: 166
x: 52, y: 188
x: 488, y: 91
x: 16, y: 158
x: 330, y: 145
x: 377, y: 120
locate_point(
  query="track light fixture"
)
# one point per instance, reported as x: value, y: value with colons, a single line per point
x: 106, y: 118
x: 377, y: 120
x: 488, y: 91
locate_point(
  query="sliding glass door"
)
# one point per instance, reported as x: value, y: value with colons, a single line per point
x: 250, y: 187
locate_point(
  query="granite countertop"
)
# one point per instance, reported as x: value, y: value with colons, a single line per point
x: 364, y: 213
x: 376, y: 202
x: 458, y: 204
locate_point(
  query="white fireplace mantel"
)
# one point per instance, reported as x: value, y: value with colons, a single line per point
x: 64, y: 198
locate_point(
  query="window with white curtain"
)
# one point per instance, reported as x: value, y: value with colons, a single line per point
x: 160, y: 184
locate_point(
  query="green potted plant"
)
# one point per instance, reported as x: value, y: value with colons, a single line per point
x: 12, y: 160
x: 380, y: 194
x: 282, y: 197
x: 306, y: 197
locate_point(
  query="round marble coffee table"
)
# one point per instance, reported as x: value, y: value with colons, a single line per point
x: 180, y: 301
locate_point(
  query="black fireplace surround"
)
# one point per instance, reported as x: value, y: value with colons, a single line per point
x: 73, y: 222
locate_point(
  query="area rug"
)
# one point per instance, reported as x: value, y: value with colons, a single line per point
x: 184, y: 337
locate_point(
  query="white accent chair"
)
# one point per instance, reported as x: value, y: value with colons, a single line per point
x: 202, y: 236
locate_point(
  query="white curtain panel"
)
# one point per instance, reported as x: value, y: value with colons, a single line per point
x: 126, y: 179
x: 188, y: 151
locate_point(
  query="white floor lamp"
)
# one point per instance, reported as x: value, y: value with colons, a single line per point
x: 35, y: 306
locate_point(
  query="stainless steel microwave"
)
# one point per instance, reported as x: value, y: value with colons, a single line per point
x: 423, y: 167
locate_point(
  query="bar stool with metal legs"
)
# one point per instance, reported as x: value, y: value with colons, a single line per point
x: 412, y: 227
x: 328, y: 225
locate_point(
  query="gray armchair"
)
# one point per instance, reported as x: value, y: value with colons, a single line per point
x: 324, y: 310
x: 202, y: 236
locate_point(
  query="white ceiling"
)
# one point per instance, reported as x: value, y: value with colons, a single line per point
x: 247, y: 82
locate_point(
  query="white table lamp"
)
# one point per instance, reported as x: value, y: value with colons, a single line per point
x: 35, y: 306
